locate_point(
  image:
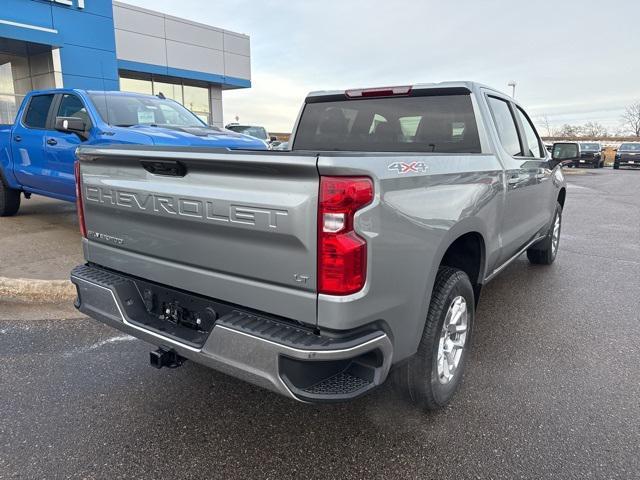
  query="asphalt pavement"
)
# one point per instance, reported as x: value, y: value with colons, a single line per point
x: 552, y: 389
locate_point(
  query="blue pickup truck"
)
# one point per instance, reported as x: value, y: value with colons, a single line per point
x: 37, y: 153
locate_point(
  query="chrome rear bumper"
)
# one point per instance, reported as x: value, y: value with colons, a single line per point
x: 308, y: 368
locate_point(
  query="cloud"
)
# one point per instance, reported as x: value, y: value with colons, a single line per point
x: 573, y: 60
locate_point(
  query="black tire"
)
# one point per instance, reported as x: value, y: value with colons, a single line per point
x: 9, y: 200
x: 543, y: 252
x: 616, y: 166
x: 419, y: 378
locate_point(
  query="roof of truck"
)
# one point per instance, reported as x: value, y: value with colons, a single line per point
x: 471, y: 86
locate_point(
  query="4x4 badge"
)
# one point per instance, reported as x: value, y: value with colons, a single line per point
x: 413, y: 167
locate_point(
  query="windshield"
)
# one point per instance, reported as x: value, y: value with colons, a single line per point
x: 441, y: 124
x: 630, y: 147
x: 590, y: 147
x: 130, y: 110
x: 257, y: 132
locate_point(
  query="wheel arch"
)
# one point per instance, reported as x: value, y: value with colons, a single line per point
x: 465, y: 248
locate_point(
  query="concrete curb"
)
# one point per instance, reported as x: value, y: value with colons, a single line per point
x: 25, y: 290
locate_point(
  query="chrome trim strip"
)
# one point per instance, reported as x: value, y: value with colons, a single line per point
x: 30, y: 27
x: 508, y: 262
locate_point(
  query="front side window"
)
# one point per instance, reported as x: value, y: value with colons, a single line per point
x: 533, y: 141
x: 506, y: 126
x: 37, y: 111
x: 72, y: 106
x: 421, y: 124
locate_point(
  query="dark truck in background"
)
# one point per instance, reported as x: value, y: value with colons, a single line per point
x: 590, y: 155
x: 628, y: 155
x: 317, y: 273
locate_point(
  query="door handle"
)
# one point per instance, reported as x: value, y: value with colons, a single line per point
x: 52, y: 141
x: 17, y: 138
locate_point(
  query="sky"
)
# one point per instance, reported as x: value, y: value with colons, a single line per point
x: 573, y: 61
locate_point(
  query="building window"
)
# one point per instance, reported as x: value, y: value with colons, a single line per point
x: 136, y: 86
x: 195, y: 98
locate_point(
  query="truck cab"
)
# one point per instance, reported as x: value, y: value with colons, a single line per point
x: 37, y: 153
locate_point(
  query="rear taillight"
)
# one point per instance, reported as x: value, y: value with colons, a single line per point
x: 83, y: 226
x: 342, y: 253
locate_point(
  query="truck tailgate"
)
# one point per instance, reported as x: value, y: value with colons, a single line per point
x: 235, y: 226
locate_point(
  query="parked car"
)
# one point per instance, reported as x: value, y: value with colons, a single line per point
x: 628, y: 155
x: 590, y: 155
x: 37, y: 153
x: 255, y: 131
x: 316, y: 273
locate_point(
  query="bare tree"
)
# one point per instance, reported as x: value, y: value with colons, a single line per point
x: 569, y: 131
x: 631, y: 118
x: 594, y: 130
x: 545, y: 124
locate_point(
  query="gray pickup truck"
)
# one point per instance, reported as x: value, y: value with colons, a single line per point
x: 320, y: 272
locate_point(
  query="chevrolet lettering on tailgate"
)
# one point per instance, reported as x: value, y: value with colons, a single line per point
x: 206, y: 210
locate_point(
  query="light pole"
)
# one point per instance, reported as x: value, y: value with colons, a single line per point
x: 513, y: 84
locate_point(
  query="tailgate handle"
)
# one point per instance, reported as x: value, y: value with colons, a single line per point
x: 166, y: 168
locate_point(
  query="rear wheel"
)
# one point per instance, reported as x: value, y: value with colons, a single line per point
x: 9, y: 200
x: 433, y: 374
x: 545, y: 251
x: 616, y: 166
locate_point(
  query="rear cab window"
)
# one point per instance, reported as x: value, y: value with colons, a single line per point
x: 420, y: 122
x: 38, y: 111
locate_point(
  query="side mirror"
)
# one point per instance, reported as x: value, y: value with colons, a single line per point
x: 273, y: 139
x: 72, y: 125
x: 564, y: 152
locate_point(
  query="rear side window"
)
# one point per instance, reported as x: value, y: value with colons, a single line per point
x: 506, y: 126
x: 441, y: 124
x: 533, y: 142
x: 37, y: 111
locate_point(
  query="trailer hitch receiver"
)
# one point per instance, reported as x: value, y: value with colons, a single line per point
x: 165, y: 358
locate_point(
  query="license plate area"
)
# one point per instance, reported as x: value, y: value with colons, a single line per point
x: 181, y: 316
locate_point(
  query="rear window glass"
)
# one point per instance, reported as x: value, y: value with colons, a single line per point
x: 38, y: 110
x: 440, y: 124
